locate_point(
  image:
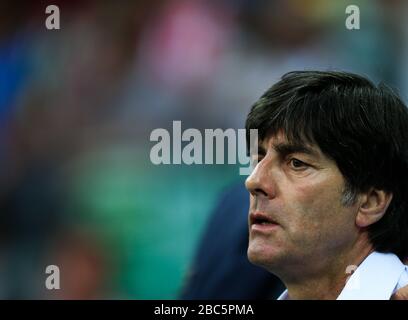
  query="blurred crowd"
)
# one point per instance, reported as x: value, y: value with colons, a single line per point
x: 78, y: 104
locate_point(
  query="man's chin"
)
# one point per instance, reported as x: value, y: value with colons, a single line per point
x: 262, y: 256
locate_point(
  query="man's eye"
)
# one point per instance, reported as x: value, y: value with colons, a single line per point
x: 297, y: 164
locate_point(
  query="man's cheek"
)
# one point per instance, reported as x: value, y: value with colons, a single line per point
x: 304, y: 226
x: 305, y: 195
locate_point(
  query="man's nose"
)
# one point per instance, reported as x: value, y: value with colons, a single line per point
x: 260, y: 182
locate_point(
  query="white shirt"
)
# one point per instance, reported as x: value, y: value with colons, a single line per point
x: 378, y: 277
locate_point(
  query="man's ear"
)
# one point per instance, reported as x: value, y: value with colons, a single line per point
x: 373, y: 205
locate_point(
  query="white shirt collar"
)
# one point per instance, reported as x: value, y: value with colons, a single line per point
x: 284, y: 295
x: 377, y: 278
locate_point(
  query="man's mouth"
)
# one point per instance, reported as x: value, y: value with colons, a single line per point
x: 261, y: 222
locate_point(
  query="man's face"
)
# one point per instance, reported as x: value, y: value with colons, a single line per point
x: 297, y: 220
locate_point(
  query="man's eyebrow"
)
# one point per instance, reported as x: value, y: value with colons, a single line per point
x: 285, y: 149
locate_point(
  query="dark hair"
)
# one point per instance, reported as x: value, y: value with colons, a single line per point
x: 362, y: 127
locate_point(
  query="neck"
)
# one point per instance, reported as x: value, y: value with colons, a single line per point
x: 328, y: 280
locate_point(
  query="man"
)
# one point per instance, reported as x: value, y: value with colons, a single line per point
x: 329, y: 193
